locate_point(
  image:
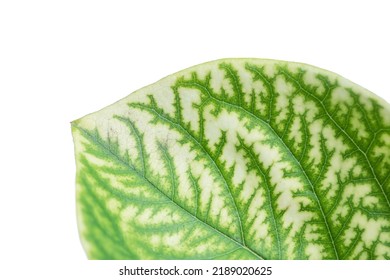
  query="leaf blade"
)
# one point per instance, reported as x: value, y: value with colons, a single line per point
x: 250, y: 154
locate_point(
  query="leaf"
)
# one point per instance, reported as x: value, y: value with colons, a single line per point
x: 237, y: 159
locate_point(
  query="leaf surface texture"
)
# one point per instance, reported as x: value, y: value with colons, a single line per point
x: 237, y: 159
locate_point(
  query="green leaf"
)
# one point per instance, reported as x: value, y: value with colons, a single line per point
x: 237, y: 159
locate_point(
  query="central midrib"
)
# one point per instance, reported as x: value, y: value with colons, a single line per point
x: 239, y: 108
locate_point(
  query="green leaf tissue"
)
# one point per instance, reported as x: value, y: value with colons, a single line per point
x: 237, y: 159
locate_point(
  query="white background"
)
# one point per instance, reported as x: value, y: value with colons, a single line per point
x: 60, y: 60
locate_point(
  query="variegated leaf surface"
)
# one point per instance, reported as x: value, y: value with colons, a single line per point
x: 237, y: 159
